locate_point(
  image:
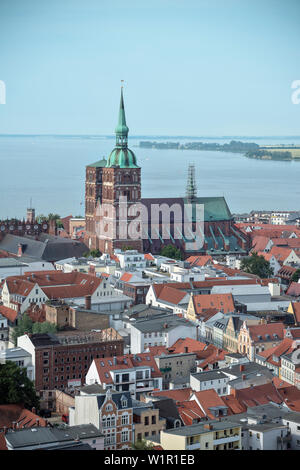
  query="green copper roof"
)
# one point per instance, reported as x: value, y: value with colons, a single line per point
x: 99, y: 164
x: 215, y: 208
x: 121, y: 126
x: 123, y: 158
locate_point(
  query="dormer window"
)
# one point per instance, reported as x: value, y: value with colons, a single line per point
x: 124, y: 403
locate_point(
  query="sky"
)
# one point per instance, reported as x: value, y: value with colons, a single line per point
x: 190, y: 68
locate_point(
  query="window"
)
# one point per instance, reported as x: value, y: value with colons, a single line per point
x: 124, y: 436
x: 125, y: 419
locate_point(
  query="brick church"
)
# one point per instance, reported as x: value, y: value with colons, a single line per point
x: 120, y: 177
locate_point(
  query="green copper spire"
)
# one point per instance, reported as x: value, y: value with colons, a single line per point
x: 122, y: 156
x: 121, y: 129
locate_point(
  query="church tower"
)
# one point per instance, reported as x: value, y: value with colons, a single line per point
x: 121, y: 178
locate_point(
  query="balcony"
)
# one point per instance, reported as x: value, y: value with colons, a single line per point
x: 225, y: 440
x: 195, y: 446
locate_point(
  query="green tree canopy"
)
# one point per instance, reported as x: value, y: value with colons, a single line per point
x: 93, y: 253
x: 170, y: 251
x: 296, y: 276
x: 142, y: 445
x: 26, y: 325
x: 257, y: 265
x: 16, y: 387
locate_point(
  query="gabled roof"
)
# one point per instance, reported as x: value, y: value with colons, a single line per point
x: 266, y: 332
x: 294, y: 289
x: 296, y: 310
x: 55, y: 284
x: 190, y: 411
x: 128, y: 361
x: 171, y: 295
x: 208, y: 399
x: 8, y: 313
x: 259, y: 243
x: 221, y: 302
x: 178, y: 395
x: 280, y: 253
x: 284, y: 347
x: 192, y: 345
x: 199, y: 260
x: 258, y: 395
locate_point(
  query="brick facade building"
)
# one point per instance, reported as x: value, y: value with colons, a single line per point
x: 120, y: 176
x: 62, y: 360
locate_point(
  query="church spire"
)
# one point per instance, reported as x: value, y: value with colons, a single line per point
x: 121, y: 129
x: 191, y: 189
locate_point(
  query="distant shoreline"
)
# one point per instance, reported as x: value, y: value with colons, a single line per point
x: 281, y: 152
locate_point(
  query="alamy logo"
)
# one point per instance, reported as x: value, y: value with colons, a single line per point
x: 123, y: 221
x: 296, y: 95
x: 2, y: 92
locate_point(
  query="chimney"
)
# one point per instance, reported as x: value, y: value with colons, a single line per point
x: 20, y: 251
x: 88, y: 302
x: 242, y: 367
x: 243, y: 377
x: 208, y: 426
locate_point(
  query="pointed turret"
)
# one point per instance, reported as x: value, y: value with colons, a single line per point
x: 122, y: 156
x: 121, y: 129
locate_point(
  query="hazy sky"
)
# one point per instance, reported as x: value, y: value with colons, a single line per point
x: 203, y: 67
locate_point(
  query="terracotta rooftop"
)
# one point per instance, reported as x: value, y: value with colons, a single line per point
x: 221, y: 302
x: 266, y: 332
x: 8, y: 313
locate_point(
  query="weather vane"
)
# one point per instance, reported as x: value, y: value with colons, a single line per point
x: 122, y: 81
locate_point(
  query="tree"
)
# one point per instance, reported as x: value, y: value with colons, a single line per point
x: 170, y: 251
x: 16, y: 387
x: 257, y: 265
x: 142, y: 445
x: 26, y: 325
x: 296, y: 276
x: 92, y: 253
x: 44, y: 327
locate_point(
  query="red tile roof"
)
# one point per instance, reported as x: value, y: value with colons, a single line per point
x: 190, y: 412
x: 8, y: 313
x: 149, y: 257
x: 286, y: 346
x: 259, y: 243
x: 192, y: 345
x: 221, y: 302
x: 296, y: 311
x: 171, y: 295
x: 259, y: 395
x: 279, y: 383
x: 207, y: 399
x: 128, y: 361
x: 55, y: 284
x: 280, y: 253
x: 294, y: 289
x: 126, y: 277
x: 178, y: 395
x: 263, y: 330
x: 157, y: 350
x: 199, y: 260
x: 233, y: 404
x: 21, y: 416
x: 291, y: 397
